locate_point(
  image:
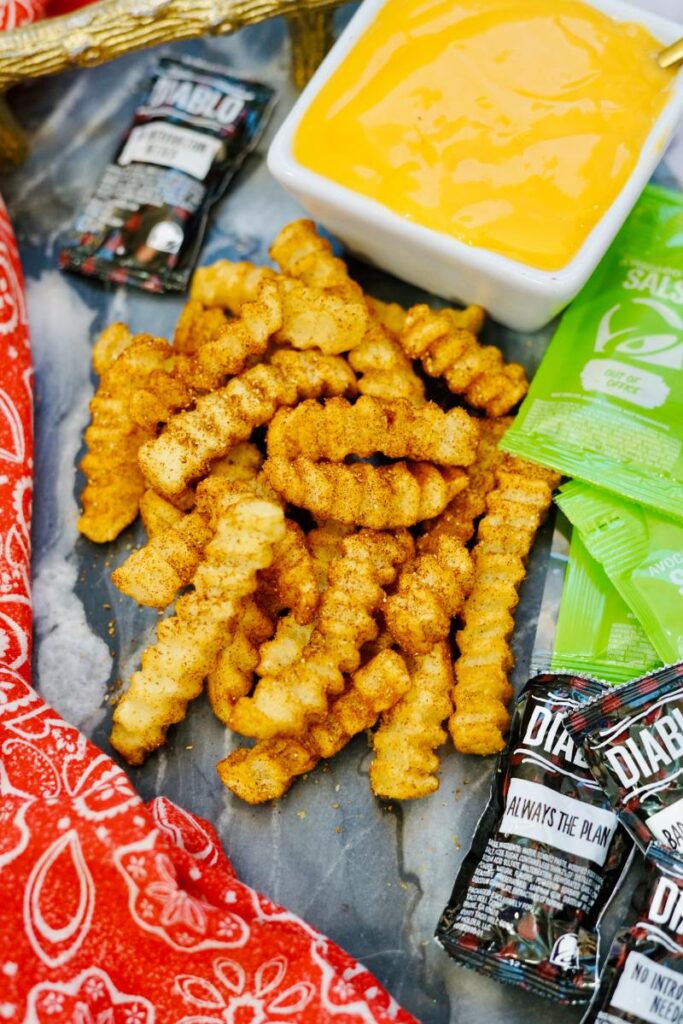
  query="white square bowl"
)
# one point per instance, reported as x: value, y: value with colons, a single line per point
x: 514, y: 293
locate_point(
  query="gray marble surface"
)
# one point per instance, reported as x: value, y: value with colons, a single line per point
x: 373, y: 876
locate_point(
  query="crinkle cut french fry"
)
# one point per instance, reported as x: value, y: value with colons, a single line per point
x: 384, y: 368
x: 287, y: 703
x: 290, y: 582
x: 114, y: 484
x: 390, y: 315
x: 328, y: 293
x: 267, y: 770
x: 154, y: 574
x: 193, y: 440
x: 324, y: 543
x: 157, y: 513
x: 398, y: 429
x: 285, y: 647
x: 458, y: 518
x: 378, y: 497
x: 189, y: 642
x: 405, y: 762
x: 233, y: 675
x: 229, y: 285
x: 196, y: 325
x: 113, y: 340
x: 515, y: 510
x: 430, y: 592
x: 448, y: 349
x: 246, y: 338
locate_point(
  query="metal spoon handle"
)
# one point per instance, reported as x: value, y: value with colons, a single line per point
x: 671, y: 55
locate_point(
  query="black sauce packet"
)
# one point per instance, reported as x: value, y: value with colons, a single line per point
x: 547, y: 854
x: 642, y: 979
x: 145, y: 221
x: 632, y: 738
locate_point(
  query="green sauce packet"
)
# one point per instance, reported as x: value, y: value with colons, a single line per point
x: 606, y: 405
x: 642, y: 554
x: 597, y: 633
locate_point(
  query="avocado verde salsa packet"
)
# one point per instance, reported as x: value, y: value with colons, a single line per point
x: 546, y: 856
x: 597, y: 633
x: 642, y: 553
x: 145, y: 221
x: 632, y: 738
x: 642, y: 978
x: 606, y: 405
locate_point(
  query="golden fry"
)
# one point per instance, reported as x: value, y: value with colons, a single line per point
x: 233, y: 675
x: 229, y: 285
x: 193, y: 440
x: 197, y: 325
x: 115, y: 485
x: 406, y: 763
x: 287, y: 703
x: 430, y: 592
x: 458, y: 518
x: 450, y: 350
x: 378, y: 497
x: 398, y: 429
x: 385, y: 371
x: 324, y: 543
x: 158, y: 514
x: 285, y: 647
x: 113, y: 340
x: 189, y: 642
x: 290, y: 582
x: 515, y: 510
x: 267, y: 770
x: 390, y: 315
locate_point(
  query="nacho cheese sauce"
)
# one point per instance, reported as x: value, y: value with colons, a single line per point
x: 509, y: 124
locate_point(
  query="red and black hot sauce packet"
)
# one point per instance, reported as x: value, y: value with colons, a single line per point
x: 633, y: 741
x: 145, y: 221
x: 547, y: 855
x: 642, y: 979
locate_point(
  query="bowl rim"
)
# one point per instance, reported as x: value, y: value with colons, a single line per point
x: 302, y: 180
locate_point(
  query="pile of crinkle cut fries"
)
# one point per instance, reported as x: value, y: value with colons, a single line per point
x: 319, y: 589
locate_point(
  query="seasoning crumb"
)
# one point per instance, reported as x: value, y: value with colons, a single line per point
x: 188, y: 747
x: 336, y: 806
x: 337, y: 788
x: 338, y: 828
x: 301, y: 814
x: 457, y: 843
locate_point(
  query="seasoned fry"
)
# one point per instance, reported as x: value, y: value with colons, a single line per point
x: 328, y: 296
x: 240, y: 341
x: 189, y: 642
x: 267, y: 770
x: 386, y: 371
x: 397, y: 429
x: 449, y: 349
x: 378, y: 497
x: 325, y: 543
x: 154, y: 574
x: 288, y: 703
x: 389, y: 314
x: 290, y: 582
x: 197, y: 325
x: 114, y: 486
x: 233, y: 675
x: 229, y: 285
x: 515, y: 510
x: 406, y: 763
x: 158, y: 514
x: 113, y: 340
x: 430, y: 592
x: 242, y: 464
x: 222, y: 419
x: 458, y: 518
x: 302, y: 253
x: 285, y: 647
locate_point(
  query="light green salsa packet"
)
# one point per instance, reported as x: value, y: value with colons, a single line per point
x: 597, y: 633
x: 641, y: 552
x: 606, y: 404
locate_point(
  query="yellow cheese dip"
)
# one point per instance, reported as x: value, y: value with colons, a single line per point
x: 509, y: 124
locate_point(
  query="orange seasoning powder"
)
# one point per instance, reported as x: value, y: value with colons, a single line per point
x: 509, y: 124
